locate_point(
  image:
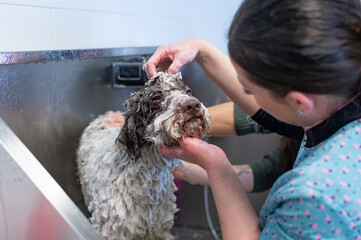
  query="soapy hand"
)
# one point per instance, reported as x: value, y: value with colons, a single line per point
x: 172, y: 57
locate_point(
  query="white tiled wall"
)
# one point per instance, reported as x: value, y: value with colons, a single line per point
x: 27, y: 25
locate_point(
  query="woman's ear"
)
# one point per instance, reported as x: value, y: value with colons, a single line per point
x: 302, y: 103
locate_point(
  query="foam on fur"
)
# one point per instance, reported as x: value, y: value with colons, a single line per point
x: 170, y: 125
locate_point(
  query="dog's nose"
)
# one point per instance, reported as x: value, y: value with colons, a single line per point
x: 191, y: 106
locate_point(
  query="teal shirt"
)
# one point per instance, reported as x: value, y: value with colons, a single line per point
x: 320, y: 198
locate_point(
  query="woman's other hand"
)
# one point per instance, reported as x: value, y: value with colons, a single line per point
x: 117, y: 119
x: 173, y: 56
x: 192, y: 174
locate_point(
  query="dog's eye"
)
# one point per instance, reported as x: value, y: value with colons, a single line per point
x: 189, y: 92
x: 157, y: 98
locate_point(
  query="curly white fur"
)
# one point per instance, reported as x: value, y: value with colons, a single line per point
x: 128, y: 199
x: 134, y: 198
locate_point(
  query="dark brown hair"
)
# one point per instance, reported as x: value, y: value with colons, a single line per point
x: 289, y: 149
x: 310, y: 46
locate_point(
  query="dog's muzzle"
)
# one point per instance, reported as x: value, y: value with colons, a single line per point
x: 193, y: 115
x: 192, y: 108
x: 184, y: 116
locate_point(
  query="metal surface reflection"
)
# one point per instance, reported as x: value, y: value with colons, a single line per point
x: 63, y: 55
x: 32, y: 205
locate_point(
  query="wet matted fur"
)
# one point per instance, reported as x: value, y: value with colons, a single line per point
x: 127, y: 186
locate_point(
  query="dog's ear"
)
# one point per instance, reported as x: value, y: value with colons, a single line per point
x: 131, y: 137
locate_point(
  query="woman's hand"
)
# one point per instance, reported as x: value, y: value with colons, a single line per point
x: 173, y: 56
x: 197, y: 151
x: 117, y: 119
x: 192, y: 173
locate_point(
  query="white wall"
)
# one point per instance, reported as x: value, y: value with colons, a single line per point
x: 28, y: 25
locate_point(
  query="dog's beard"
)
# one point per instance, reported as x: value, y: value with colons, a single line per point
x: 174, y: 124
x: 194, y: 126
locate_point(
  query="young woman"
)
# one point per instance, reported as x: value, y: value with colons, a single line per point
x: 295, y: 67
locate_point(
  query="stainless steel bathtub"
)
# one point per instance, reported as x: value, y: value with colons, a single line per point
x: 46, y: 99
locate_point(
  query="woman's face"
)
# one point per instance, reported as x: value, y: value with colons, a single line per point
x: 269, y: 102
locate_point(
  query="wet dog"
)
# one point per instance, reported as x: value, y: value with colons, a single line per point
x: 127, y: 185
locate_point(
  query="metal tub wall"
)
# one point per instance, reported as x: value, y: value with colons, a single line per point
x: 48, y: 105
x: 32, y: 205
x: 48, y: 98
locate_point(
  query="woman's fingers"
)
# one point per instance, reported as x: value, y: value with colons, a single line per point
x: 176, y: 65
x: 172, y: 57
x: 195, y: 151
x: 183, y: 151
x: 150, y: 67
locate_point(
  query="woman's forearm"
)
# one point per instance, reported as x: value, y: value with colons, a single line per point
x: 237, y: 217
x: 222, y: 120
x: 245, y: 176
x: 219, y: 68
